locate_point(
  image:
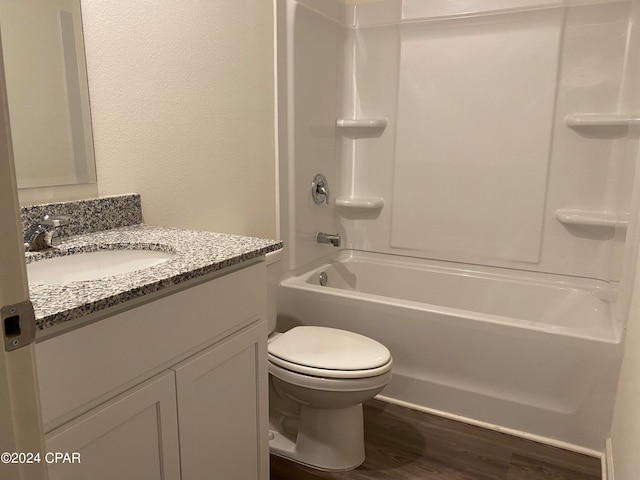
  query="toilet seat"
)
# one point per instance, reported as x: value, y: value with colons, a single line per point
x: 329, y: 353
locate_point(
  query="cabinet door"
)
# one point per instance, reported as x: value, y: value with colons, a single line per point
x: 222, y: 409
x: 131, y: 437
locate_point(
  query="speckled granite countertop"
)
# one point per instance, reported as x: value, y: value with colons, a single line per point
x: 196, y: 254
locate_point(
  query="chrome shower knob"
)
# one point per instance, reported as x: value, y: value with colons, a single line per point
x: 320, y: 189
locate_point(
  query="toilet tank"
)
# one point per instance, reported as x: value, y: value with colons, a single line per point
x: 273, y: 281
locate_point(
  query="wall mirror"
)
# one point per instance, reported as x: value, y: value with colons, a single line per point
x: 48, y: 93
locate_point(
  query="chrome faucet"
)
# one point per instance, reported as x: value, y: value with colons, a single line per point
x: 332, y: 238
x: 40, y: 235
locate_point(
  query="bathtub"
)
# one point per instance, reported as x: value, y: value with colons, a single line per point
x: 531, y: 354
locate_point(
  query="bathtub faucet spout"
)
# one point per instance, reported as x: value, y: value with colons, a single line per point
x: 332, y: 238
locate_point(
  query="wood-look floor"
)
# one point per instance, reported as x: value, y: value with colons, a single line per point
x: 404, y: 444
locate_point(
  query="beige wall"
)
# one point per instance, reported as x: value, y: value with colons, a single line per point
x: 182, y: 102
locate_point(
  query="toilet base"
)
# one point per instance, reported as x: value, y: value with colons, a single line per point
x: 327, y: 439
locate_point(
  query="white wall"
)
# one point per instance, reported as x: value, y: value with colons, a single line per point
x: 625, y: 432
x: 622, y: 452
x: 625, y: 429
x: 182, y: 99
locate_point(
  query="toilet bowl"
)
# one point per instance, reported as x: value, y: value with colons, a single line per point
x: 318, y: 379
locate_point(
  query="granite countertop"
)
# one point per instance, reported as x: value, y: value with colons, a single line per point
x: 196, y: 254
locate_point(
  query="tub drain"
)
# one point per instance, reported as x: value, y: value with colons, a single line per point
x: 323, y: 278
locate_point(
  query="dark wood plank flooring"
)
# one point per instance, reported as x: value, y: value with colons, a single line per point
x: 403, y: 444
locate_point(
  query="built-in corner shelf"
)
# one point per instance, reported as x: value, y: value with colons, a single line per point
x: 592, y: 120
x: 361, y: 127
x: 360, y: 203
x: 570, y: 216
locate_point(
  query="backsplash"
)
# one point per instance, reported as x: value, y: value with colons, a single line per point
x: 87, y: 216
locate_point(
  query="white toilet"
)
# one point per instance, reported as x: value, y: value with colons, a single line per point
x: 318, y: 379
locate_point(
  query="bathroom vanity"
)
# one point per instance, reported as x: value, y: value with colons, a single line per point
x: 160, y: 373
x: 177, y: 383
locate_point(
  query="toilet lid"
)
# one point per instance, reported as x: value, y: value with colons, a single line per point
x: 328, y: 349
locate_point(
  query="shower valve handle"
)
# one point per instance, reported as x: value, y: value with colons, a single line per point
x: 320, y: 189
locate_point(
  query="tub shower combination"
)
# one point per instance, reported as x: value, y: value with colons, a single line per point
x: 478, y: 201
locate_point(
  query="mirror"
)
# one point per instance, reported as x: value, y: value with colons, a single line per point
x: 48, y: 92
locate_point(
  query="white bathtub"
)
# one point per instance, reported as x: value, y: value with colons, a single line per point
x: 533, y: 354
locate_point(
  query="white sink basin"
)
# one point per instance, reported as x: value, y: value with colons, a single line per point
x: 92, y: 265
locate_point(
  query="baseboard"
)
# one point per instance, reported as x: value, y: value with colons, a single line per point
x: 607, y: 461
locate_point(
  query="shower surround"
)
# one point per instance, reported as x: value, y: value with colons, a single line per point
x: 493, y: 145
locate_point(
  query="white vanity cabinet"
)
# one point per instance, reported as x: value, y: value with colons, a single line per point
x: 171, y: 389
x: 221, y: 411
x: 135, y: 435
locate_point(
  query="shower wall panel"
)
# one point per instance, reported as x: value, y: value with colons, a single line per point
x: 476, y: 99
x: 309, y: 83
x: 471, y: 171
x: 477, y: 159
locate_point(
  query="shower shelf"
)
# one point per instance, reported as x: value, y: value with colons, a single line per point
x: 364, y: 203
x: 590, y: 120
x: 361, y: 127
x: 568, y: 216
